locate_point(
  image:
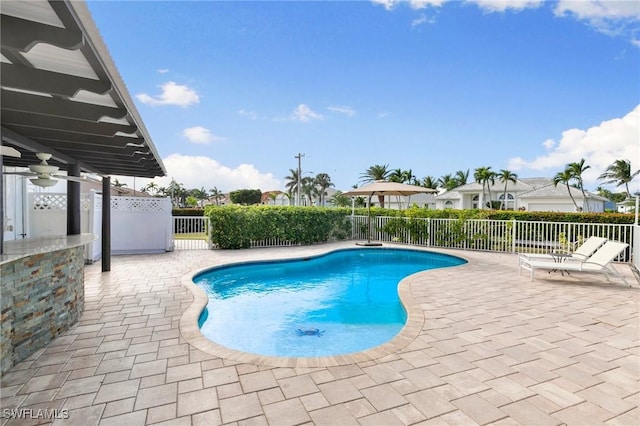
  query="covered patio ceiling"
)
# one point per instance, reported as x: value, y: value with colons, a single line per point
x: 62, y: 94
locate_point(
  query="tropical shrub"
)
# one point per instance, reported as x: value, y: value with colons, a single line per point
x: 237, y: 226
x: 246, y: 196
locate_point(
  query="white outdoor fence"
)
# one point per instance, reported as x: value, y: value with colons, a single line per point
x: 510, y: 236
x: 492, y: 235
x: 191, y: 233
x: 138, y: 224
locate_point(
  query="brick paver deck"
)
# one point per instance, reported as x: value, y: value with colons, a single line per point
x: 491, y: 348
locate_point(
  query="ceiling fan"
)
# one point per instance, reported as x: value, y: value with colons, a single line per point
x: 44, y: 173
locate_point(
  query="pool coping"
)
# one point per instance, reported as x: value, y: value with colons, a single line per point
x: 190, y: 330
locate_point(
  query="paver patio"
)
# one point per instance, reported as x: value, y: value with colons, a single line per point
x: 493, y: 348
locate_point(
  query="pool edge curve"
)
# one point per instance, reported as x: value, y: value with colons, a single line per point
x: 190, y: 330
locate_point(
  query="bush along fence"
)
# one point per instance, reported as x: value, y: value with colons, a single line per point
x: 509, y: 236
x: 233, y: 227
x: 512, y: 232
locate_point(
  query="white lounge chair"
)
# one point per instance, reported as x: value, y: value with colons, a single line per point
x: 599, y: 262
x: 582, y: 253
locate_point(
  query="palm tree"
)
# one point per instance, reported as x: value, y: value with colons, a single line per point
x: 152, y: 188
x: 199, y: 194
x: 340, y: 200
x: 462, y: 177
x: 216, y: 195
x: 620, y: 173
x: 577, y: 169
x: 429, y: 182
x: 176, y: 192
x: 118, y: 184
x: 447, y: 182
x: 506, y: 176
x: 292, y: 182
x: 395, y: 175
x: 374, y: 173
x: 486, y: 177
x: 308, y: 188
x: 565, y: 177
x: 323, y: 182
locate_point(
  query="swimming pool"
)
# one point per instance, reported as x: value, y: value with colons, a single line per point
x: 341, y: 302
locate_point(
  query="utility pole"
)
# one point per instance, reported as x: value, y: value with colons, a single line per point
x: 299, y: 186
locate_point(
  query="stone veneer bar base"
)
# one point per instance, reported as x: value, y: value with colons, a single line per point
x: 42, y: 296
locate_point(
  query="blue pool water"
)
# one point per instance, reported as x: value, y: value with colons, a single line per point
x: 345, y: 301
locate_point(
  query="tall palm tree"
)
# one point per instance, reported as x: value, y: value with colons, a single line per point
x: 577, y: 168
x: 152, y: 188
x: 199, y: 194
x: 395, y: 175
x: 374, y: 173
x: 505, y: 177
x: 292, y: 182
x: 117, y: 184
x: 619, y: 173
x: 429, y: 182
x: 176, y: 191
x: 323, y: 182
x: 216, y: 195
x: 565, y: 177
x: 447, y: 182
x: 487, y: 178
x: 308, y: 188
x: 461, y: 177
x: 409, y: 177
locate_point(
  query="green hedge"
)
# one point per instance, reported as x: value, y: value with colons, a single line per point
x: 416, y: 212
x: 235, y: 227
x: 188, y: 211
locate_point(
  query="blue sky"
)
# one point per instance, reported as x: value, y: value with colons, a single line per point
x: 231, y: 91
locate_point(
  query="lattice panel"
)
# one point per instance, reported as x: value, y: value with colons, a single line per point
x: 57, y: 202
x: 138, y: 204
x: 49, y: 201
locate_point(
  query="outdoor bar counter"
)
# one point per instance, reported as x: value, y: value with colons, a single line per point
x: 41, y: 292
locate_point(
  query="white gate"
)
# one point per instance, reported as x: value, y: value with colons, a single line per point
x: 191, y: 233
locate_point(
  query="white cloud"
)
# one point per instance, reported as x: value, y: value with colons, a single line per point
x: 382, y: 115
x: 614, y: 18
x: 549, y: 143
x: 421, y: 4
x: 422, y: 19
x: 388, y: 4
x: 600, y: 146
x: 199, y: 135
x: 304, y: 114
x: 415, y: 4
x: 163, y: 70
x: 249, y: 114
x: 507, y: 5
x: 172, y: 94
x: 343, y: 109
x: 200, y: 171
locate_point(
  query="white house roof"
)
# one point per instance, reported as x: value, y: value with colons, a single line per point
x: 522, y: 184
x: 449, y: 195
x: 560, y: 191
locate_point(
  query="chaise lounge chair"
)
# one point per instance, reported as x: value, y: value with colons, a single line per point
x: 599, y: 262
x: 582, y: 253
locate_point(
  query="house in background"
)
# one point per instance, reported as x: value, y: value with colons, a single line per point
x: 550, y: 198
x: 531, y: 194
